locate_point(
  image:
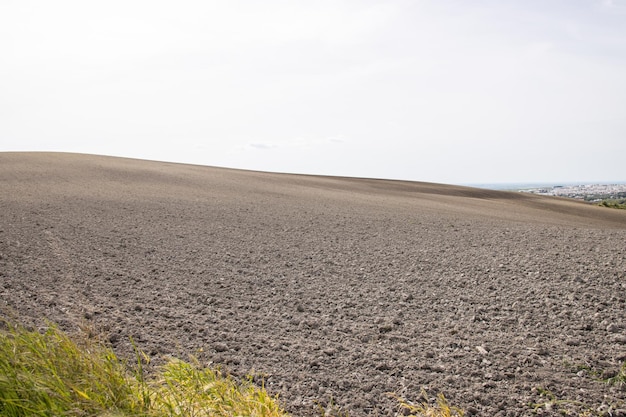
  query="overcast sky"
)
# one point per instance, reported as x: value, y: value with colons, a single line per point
x: 450, y: 91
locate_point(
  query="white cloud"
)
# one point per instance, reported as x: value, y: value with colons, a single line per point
x: 614, y: 4
x: 262, y: 146
x: 298, y: 143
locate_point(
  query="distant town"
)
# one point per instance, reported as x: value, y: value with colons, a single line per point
x: 588, y: 192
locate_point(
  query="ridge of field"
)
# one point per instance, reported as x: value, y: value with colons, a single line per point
x: 330, y: 289
x: 73, y: 175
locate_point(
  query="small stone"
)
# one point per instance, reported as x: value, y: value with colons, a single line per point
x: 572, y: 342
x: 439, y: 368
x: 383, y: 366
x: 609, y: 373
x: 620, y: 339
x: 613, y: 328
x: 481, y: 350
x: 220, y: 347
x: 385, y: 328
x: 330, y: 351
x: 472, y: 411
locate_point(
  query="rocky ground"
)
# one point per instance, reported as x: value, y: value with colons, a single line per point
x: 332, y: 290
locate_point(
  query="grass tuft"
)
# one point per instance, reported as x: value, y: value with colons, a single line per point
x: 45, y: 374
x: 427, y: 408
x: 620, y: 378
x: 48, y: 374
x: 184, y: 389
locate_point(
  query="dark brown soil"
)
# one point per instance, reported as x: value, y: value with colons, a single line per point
x: 332, y: 289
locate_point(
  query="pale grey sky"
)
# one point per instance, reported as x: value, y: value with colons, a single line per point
x: 446, y: 91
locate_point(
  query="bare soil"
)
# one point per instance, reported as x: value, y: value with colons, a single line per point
x: 332, y: 290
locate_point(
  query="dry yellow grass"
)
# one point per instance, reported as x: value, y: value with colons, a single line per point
x: 48, y: 374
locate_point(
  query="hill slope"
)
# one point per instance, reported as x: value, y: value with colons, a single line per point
x: 333, y: 288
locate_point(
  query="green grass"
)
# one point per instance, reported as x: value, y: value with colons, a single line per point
x: 49, y: 374
x: 620, y: 378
